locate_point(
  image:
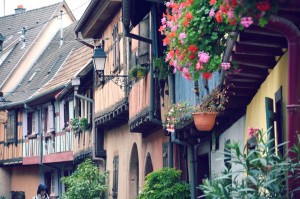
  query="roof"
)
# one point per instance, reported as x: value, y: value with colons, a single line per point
x: 10, y: 27
x: 97, y: 17
x: 78, y: 60
x: 46, y: 67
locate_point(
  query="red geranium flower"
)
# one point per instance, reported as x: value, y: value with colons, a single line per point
x: 219, y: 17
x: 263, y: 5
x: 193, y: 48
x: 206, y: 75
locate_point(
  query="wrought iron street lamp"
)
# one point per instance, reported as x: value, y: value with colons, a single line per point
x: 99, y: 59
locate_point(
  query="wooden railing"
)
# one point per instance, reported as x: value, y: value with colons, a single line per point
x: 139, y: 97
x: 60, y: 142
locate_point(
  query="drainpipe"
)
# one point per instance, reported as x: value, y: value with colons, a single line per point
x: 172, y: 101
x: 292, y: 34
x: 94, y: 125
x: 191, y: 152
x: 40, y: 133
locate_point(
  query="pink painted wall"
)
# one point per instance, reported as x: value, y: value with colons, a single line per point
x: 25, y: 178
x: 153, y: 145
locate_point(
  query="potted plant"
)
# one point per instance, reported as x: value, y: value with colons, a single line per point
x: 138, y: 72
x: 195, y: 31
x: 177, y: 115
x: 205, y: 115
x: 164, y: 183
x: 79, y: 124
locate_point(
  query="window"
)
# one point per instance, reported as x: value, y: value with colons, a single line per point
x: 52, y: 187
x: 11, y: 128
x: 30, y: 123
x: 277, y: 132
x: 100, y: 152
x: 115, y: 177
x: 116, y: 53
x: 66, y: 114
x: 165, y: 147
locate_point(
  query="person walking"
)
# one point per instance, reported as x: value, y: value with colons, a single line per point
x: 41, y: 192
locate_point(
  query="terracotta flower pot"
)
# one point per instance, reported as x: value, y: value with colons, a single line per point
x: 205, y: 121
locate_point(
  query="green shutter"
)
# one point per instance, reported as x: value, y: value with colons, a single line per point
x: 270, y: 122
x: 279, y: 120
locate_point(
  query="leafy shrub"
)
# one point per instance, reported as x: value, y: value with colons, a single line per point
x: 264, y: 173
x: 164, y: 184
x: 86, y: 182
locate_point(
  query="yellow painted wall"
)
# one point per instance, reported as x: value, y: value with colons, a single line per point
x: 255, y: 115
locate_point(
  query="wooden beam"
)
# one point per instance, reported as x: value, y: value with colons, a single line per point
x: 244, y: 48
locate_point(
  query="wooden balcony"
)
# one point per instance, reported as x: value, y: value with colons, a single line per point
x: 111, y: 107
x: 56, y: 148
x: 11, y: 150
x: 139, y: 107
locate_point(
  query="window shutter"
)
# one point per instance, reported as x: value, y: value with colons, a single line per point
x: 279, y: 119
x: 143, y: 47
x: 116, y: 53
x: 115, y: 177
x: 51, y: 118
x: 100, y: 152
x: 270, y: 122
x: 165, y: 154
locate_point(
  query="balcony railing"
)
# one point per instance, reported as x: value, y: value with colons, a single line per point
x: 56, y: 143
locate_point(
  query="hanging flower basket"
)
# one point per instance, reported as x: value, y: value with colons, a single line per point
x: 205, y: 121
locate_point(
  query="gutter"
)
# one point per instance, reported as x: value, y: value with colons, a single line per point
x: 292, y: 34
x: 85, y: 16
x: 14, y: 104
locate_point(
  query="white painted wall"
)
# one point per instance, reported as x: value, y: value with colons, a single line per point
x: 235, y: 133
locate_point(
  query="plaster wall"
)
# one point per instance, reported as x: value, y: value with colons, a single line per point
x: 256, y: 115
x: 120, y: 142
x: 5, y: 182
x: 25, y: 178
x: 235, y: 133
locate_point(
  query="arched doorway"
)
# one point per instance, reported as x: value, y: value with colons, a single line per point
x: 134, y: 173
x: 148, y: 165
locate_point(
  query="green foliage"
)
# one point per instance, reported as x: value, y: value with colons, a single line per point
x: 138, y: 72
x: 163, y: 68
x: 78, y: 124
x: 164, y: 184
x: 86, y: 182
x: 83, y: 123
x: 263, y: 173
x: 2, y: 197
